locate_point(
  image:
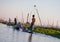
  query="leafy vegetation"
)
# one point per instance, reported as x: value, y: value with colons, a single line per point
x: 55, y: 32
x: 48, y: 31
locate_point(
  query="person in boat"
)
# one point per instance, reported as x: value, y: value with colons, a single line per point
x: 9, y: 22
x: 32, y: 23
x: 15, y: 21
x: 24, y: 29
x: 17, y: 26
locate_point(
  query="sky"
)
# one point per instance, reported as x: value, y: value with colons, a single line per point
x: 49, y: 10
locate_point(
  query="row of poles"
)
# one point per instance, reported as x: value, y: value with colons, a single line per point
x: 40, y: 22
x: 37, y: 14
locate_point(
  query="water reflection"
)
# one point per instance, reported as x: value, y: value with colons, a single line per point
x: 12, y: 39
x: 15, y: 35
x: 30, y: 37
x: 10, y: 35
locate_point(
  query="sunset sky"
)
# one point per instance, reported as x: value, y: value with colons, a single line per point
x: 49, y: 10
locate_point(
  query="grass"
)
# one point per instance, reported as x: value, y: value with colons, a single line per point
x: 47, y: 30
x: 12, y: 23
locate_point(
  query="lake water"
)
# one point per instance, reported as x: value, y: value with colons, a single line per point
x: 7, y: 34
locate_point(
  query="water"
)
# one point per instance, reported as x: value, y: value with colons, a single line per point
x: 7, y: 34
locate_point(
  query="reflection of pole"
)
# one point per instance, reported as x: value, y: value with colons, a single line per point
x: 30, y: 37
x: 38, y: 15
x: 17, y: 36
x: 13, y: 32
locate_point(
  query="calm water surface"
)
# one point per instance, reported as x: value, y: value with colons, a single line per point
x: 7, y: 34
